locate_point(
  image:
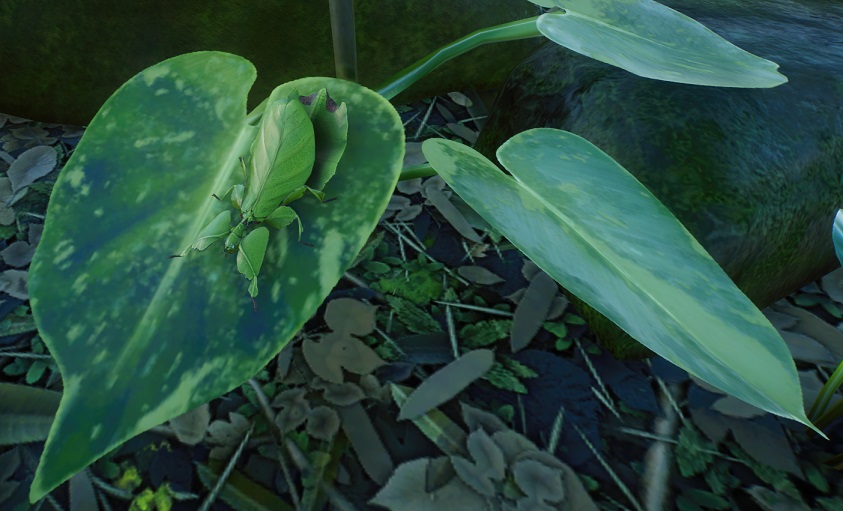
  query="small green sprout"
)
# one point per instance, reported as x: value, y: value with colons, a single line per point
x: 298, y: 146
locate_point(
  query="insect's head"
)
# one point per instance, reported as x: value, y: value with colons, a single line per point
x: 236, y: 236
x: 232, y: 241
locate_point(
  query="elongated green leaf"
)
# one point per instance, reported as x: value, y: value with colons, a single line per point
x: 242, y: 493
x: 26, y: 413
x: 651, y: 40
x: 435, y: 425
x: 446, y: 383
x: 139, y: 338
x: 837, y: 235
x: 597, y: 231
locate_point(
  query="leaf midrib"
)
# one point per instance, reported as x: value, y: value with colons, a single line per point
x: 141, y: 335
x: 618, y: 269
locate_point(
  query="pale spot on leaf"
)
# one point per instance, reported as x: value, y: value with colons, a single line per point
x: 74, y: 176
x: 153, y: 73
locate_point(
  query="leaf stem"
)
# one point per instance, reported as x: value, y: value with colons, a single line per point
x: 522, y: 29
x: 401, y: 81
x: 253, y: 117
x: 423, y: 170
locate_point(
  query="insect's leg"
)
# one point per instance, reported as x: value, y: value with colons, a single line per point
x: 282, y: 217
x: 236, y: 192
x: 233, y: 189
x: 216, y: 229
x: 320, y: 195
x: 223, y: 195
x: 237, y: 196
x: 250, y: 257
x: 299, y: 192
x: 296, y: 194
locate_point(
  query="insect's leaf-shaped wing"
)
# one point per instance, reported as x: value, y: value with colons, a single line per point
x: 217, y: 229
x: 282, y: 157
x: 330, y: 127
x: 250, y: 256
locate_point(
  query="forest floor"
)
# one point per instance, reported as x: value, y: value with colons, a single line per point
x: 566, y: 424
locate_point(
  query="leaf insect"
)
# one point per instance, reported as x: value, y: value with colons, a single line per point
x: 298, y: 146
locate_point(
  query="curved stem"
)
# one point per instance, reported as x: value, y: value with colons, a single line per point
x: 253, y: 117
x: 522, y: 29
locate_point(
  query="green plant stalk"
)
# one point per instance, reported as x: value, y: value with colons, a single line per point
x: 826, y: 393
x: 345, y: 40
x: 522, y: 29
x: 820, y: 405
x: 830, y: 414
x: 513, y: 31
x: 836, y: 462
x: 342, y: 17
x: 423, y: 170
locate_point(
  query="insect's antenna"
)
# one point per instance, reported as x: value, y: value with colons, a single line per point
x: 254, y: 305
x: 306, y: 244
x: 173, y: 256
x: 330, y: 200
x: 215, y: 196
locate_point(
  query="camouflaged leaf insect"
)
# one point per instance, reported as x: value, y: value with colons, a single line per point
x: 297, y: 149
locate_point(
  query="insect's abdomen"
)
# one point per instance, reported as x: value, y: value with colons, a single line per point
x: 282, y: 157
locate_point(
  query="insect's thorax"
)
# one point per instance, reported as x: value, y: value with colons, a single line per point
x: 236, y: 235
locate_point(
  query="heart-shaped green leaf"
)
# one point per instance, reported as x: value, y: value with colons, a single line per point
x: 600, y: 233
x: 140, y: 338
x: 651, y: 40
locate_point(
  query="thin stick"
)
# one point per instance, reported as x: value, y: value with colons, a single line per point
x: 209, y: 500
x: 345, y: 40
x: 278, y: 435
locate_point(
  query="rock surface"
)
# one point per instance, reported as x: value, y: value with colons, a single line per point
x: 62, y: 60
x: 754, y: 174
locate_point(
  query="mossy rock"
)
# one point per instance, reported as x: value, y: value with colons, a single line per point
x: 62, y: 60
x: 756, y: 175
